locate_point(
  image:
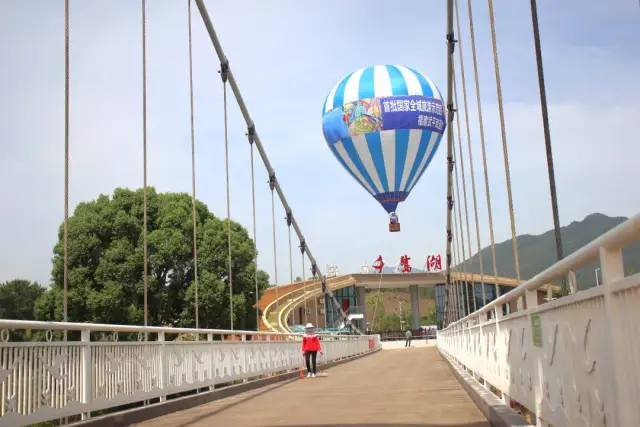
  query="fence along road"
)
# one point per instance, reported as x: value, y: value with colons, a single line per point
x: 571, y: 361
x: 47, y: 380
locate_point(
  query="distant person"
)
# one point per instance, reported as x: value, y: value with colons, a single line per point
x: 310, y: 349
x: 407, y: 335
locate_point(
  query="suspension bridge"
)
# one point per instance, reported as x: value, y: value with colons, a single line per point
x: 509, y: 351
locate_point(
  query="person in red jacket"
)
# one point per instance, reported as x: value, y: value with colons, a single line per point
x: 310, y: 349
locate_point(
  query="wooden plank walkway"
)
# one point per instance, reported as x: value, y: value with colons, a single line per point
x: 393, y: 387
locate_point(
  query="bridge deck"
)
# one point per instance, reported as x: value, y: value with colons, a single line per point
x: 392, y: 387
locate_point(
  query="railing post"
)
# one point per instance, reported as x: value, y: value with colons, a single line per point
x: 573, y: 282
x: 87, y: 380
x: 498, y: 311
x: 612, y: 266
x: 212, y: 367
x: 163, y: 374
x: 531, y: 298
x: 244, y: 352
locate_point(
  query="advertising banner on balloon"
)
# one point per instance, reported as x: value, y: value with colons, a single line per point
x: 385, y: 113
x: 412, y: 112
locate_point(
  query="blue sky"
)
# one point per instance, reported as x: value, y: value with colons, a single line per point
x: 286, y: 56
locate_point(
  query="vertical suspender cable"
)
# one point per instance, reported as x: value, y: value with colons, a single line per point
x: 450, y: 50
x: 459, y: 249
x: 255, y: 241
x: 65, y: 273
x: 315, y: 306
x: 545, y: 125
x: 145, y: 278
x: 375, y: 306
x: 288, y: 219
x: 457, y: 222
x: 456, y: 262
x: 505, y: 150
x: 471, y: 164
x: 193, y: 171
x: 484, y: 153
x: 290, y: 254
x: 466, y: 208
x: 273, y: 226
x: 224, y: 74
x: 458, y: 206
x: 455, y: 276
x: 304, y: 284
x: 464, y: 180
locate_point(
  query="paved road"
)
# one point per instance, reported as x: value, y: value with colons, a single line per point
x: 389, y: 388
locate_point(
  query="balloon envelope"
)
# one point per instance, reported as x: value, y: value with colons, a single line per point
x: 384, y: 124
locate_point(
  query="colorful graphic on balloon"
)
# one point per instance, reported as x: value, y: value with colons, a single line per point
x: 384, y: 124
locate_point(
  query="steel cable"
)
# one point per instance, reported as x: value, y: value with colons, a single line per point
x: 144, y: 165
x: 255, y: 241
x: 65, y: 274
x: 193, y: 172
x: 226, y: 170
x: 484, y: 151
x: 505, y: 150
x: 471, y: 163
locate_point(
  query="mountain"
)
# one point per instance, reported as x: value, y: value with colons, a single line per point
x: 537, y: 252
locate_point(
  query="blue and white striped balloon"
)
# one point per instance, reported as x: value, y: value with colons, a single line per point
x: 384, y: 124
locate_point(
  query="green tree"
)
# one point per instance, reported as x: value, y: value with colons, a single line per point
x: 430, y: 318
x: 375, y: 304
x: 17, y: 299
x: 105, y: 276
x: 389, y: 322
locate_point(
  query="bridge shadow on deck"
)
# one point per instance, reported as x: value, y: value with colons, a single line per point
x: 412, y: 387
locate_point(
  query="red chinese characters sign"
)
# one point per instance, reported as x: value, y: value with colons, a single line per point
x: 434, y: 263
x: 405, y: 267
x: 378, y: 265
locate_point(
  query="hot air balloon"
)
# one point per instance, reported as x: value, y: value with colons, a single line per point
x: 384, y: 124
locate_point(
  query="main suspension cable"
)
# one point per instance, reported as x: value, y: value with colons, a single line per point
x: 193, y: 171
x: 471, y: 165
x: 484, y: 154
x: 505, y: 150
x: 272, y: 177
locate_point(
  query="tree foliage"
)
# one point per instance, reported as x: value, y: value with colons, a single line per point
x: 17, y: 298
x: 106, y: 260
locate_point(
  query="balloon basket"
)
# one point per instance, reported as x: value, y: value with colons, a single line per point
x: 394, y: 226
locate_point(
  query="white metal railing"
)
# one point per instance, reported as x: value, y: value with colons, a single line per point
x: 48, y: 379
x: 572, y: 361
